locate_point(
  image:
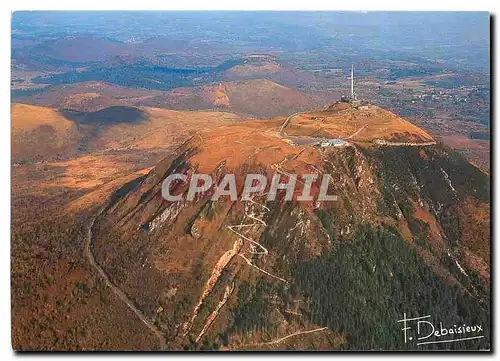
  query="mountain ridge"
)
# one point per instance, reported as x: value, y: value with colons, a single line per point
x: 407, y: 207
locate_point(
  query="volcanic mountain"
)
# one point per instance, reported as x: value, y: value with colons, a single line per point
x: 410, y: 225
x: 77, y: 49
x: 38, y: 132
x: 42, y: 133
x: 259, y: 98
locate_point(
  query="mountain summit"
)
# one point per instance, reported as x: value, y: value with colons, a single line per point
x: 245, y: 274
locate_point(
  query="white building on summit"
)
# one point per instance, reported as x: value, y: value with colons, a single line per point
x: 333, y: 142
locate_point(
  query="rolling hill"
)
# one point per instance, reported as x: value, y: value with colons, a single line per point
x: 76, y: 49
x: 254, y: 97
x: 75, y: 96
x: 41, y: 133
x: 38, y: 133
x: 257, y: 97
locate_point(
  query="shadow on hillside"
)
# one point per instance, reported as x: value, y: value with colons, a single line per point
x: 108, y: 116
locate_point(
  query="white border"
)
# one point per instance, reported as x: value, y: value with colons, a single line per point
x: 5, y: 16
x: 364, y: 5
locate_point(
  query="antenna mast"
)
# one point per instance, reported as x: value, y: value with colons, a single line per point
x: 352, y: 82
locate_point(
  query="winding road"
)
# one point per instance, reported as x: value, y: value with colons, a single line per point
x: 275, y: 342
x: 314, y: 141
x: 89, y: 242
x: 296, y: 140
x: 285, y: 124
x: 305, y: 139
